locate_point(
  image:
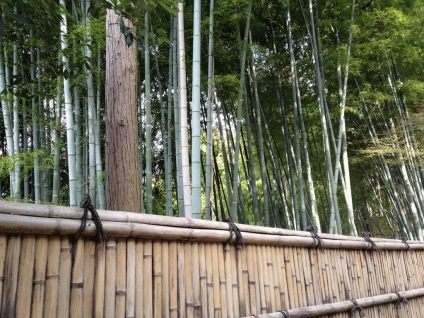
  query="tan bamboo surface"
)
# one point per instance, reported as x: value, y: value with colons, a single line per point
x: 157, y: 266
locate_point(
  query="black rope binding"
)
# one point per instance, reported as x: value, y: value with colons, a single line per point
x: 318, y: 242
x: 372, y: 245
x: 403, y: 239
x: 285, y: 313
x: 400, y: 300
x: 88, y: 206
x: 234, y: 229
x: 355, y: 308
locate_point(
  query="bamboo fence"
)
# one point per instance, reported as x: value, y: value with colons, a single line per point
x: 157, y: 266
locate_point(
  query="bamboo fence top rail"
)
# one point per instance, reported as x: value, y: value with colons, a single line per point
x: 58, y: 220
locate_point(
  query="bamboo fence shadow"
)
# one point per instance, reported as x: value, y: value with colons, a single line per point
x: 157, y: 266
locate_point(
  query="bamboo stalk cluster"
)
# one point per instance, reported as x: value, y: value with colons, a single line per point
x: 157, y: 266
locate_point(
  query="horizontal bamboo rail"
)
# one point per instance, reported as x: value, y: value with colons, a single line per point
x: 157, y: 266
x: 395, y: 299
x: 59, y: 220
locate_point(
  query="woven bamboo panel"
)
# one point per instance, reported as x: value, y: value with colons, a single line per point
x: 187, y: 270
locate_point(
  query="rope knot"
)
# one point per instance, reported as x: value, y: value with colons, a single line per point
x: 400, y: 300
x: 357, y: 307
x: 403, y: 239
x: 371, y: 243
x: 88, y: 206
x: 234, y: 229
x: 318, y: 242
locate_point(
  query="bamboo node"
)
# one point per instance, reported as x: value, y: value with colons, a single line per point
x: 356, y: 307
x: 34, y: 282
x: 318, y: 242
x: 400, y: 300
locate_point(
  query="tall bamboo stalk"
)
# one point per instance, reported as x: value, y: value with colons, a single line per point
x: 147, y: 92
x: 7, y: 119
x: 209, y: 137
x: 69, y: 112
x: 195, y: 115
x: 235, y: 187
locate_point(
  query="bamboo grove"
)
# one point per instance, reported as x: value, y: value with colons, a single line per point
x: 276, y: 113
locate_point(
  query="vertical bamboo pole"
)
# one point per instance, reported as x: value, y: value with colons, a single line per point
x: 291, y: 278
x: 261, y: 280
x: 298, y: 269
x: 131, y: 280
x: 188, y: 274
x: 357, y: 271
x: 345, y: 288
x: 281, y: 269
x: 139, y: 278
x: 307, y: 275
x: 322, y: 273
x: 245, y: 280
x: 251, y: 267
x: 333, y: 277
x: 77, y: 279
x: 121, y: 277
x: 367, y: 269
x: 197, y: 306
x: 148, y: 279
x: 52, y: 276
x: 316, y: 283
x: 408, y: 277
x: 110, y: 279
x: 353, y: 275
x: 89, y: 274
x: 222, y: 281
x: 203, y: 280
x: 390, y: 273
x: 11, y: 276
x: 398, y: 272
x: 157, y: 279
x: 366, y: 288
x: 173, y: 280
x: 100, y: 280
x: 269, y: 268
x: 416, y: 276
x: 215, y: 278
x: 26, y: 270
x: 276, y: 278
x: 165, y: 279
x: 39, y: 280
x: 209, y: 280
x: 64, y: 292
x: 235, y: 283
x: 3, y: 245
x: 229, y: 272
x: 242, y: 301
x: 181, y: 280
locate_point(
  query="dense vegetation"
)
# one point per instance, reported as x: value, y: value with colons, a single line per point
x: 310, y: 113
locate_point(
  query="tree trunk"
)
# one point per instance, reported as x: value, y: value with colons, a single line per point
x: 122, y: 157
